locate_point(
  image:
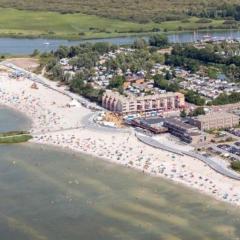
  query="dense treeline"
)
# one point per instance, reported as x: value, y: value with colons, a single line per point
x: 193, y: 97
x: 191, y: 58
x: 84, y: 57
x: 79, y: 85
x: 143, y: 58
x: 205, y: 55
x: 97, y: 48
x: 164, y: 83
x: 188, y: 63
x: 225, y: 10
x: 226, y: 99
x: 136, y: 61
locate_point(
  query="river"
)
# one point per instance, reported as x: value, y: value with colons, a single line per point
x: 51, y: 194
x: 24, y: 46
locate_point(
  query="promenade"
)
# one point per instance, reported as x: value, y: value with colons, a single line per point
x: 213, y: 163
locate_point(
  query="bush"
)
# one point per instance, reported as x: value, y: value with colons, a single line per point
x: 230, y: 22
x: 204, y: 20
x: 15, y: 139
x: 158, y: 40
x: 236, y: 166
x: 193, y: 97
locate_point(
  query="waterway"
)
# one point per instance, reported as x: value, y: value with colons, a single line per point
x: 51, y: 194
x: 27, y: 46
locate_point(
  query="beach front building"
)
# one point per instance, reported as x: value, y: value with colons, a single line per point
x: 215, y: 120
x: 154, y: 125
x: 155, y: 105
x: 185, y: 132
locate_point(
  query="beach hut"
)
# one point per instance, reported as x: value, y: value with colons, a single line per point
x: 34, y: 86
x: 74, y: 103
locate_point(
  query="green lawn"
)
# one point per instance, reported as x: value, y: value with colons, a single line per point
x: 22, y: 23
x: 136, y: 11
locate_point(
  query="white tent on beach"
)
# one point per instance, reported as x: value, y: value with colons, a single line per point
x: 74, y: 103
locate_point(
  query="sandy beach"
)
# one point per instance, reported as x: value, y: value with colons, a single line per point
x: 54, y: 123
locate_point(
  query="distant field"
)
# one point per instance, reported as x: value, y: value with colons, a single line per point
x: 133, y: 10
x: 27, y: 23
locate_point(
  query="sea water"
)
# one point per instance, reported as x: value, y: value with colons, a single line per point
x: 50, y: 194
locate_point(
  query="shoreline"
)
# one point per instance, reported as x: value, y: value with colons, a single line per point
x: 121, y: 35
x: 50, y: 110
x: 114, y: 164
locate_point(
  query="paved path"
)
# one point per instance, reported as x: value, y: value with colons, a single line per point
x: 225, y: 152
x: 156, y: 144
x: 213, y: 163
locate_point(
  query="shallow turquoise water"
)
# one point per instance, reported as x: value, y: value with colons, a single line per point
x: 46, y: 193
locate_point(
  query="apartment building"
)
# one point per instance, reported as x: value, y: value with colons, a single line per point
x: 215, y: 120
x: 130, y: 104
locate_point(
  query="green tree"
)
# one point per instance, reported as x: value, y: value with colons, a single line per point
x: 226, y: 99
x: 235, y: 165
x: 139, y: 43
x: 198, y: 111
x: 162, y: 83
x: 35, y: 53
x: 116, y: 82
x: 158, y: 40
x: 193, y: 97
x: 62, y: 52
x: 183, y: 114
x: 168, y: 75
x: 102, y: 47
x: 57, y: 73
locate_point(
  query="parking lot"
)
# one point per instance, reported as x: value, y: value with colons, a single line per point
x: 230, y: 148
x: 235, y: 132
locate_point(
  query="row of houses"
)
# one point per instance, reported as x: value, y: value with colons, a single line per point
x: 209, y: 88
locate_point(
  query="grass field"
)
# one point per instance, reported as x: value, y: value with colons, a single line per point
x: 137, y: 10
x: 26, y: 23
x: 14, y: 137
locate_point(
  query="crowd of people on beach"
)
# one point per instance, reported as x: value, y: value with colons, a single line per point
x: 142, y: 158
x: 51, y: 120
x: 44, y: 120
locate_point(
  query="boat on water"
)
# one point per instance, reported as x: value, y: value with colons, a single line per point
x: 211, y: 39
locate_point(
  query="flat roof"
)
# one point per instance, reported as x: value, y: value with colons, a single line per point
x: 217, y: 114
x: 151, y: 121
x: 179, y: 123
